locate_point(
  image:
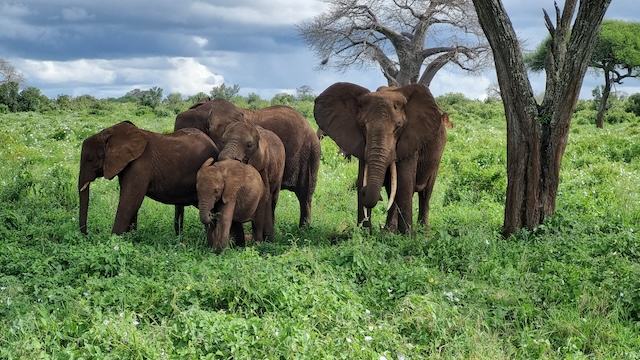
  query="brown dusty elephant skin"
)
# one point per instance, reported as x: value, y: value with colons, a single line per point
x: 302, y: 147
x: 162, y: 167
x: 397, y: 130
x: 234, y: 192
x: 263, y: 150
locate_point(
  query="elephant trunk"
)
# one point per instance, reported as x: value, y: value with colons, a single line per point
x: 230, y: 151
x: 83, y: 192
x: 205, y: 212
x: 373, y: 181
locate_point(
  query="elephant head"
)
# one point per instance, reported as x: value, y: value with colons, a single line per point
x: 380, y: 128
x: 241, y: 141
x: 211, y: 185
x: 106, y: 154
x: 211, y: 116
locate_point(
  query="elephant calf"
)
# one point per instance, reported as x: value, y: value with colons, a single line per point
x: 162, y: 167
x: 234, y: 192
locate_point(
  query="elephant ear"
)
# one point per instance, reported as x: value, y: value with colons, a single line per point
x: 126, y: 143
x: 423, y: 119
x: 232, y: 183
x: 336, y: 113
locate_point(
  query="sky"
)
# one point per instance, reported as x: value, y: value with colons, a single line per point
x: 108, y: 48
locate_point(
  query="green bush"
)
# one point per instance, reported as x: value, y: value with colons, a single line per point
x: 633, y: 104
x: 618, y: 115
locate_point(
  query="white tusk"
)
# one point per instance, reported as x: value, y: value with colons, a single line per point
x: 84, y: 186
x: 364, y: 177
x: 394, y: 184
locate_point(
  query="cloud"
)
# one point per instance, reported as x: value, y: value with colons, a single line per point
x: 190, y: 77
x: 76, y: 14
x: 80, y: 71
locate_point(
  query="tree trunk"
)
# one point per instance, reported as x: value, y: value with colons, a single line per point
x: 602, y: 107
x: 537, y: 134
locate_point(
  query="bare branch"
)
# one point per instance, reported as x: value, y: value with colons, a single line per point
x: 402, y: 37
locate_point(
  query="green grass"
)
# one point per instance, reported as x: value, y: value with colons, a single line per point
x: 569, y: 289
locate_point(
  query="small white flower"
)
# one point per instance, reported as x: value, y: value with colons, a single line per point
x: 370, y: 328
x: 121, y: 314
x: 106, y: 322
x: 382, y: 357
x: 486, y: 241
x: 621, y: 294
x: 116, y: 248
x: 368, y: 338
x: 3, y: 288
x: 135, y: 322
x: 366, y: 311
x: 349, y: 340
x: 389, y: 291
x: 401, y: 357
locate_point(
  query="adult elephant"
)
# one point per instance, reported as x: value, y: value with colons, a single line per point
x: 302, y: 147
x: 398, y: 134
x: 160, y: 166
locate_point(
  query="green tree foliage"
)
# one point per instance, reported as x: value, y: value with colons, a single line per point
x: 152, y: 97
x: 225, y: 92
x: 9, y: 93
x: 31, y: 99
x: 633, y: 104
x: 616, y: 53
x: 174, y: 102
x: 283, y: 99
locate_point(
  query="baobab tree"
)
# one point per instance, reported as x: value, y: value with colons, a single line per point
x: 409, y: 40
x: 537, y: 133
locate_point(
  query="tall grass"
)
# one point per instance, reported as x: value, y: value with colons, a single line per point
x: 567, y: 289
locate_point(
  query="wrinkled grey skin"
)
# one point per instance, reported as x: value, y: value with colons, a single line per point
x: 400, y: 126
x: 302, y: 147
x: 233, y: 191
x: 162, y: 167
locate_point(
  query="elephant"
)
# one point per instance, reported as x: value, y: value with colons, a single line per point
x: 234, y: 192
x: 398, y: 135
x: 262, y: 149
x: 302, y: 147
x: 160, y: 166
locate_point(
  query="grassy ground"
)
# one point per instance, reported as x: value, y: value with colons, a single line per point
x: 570, y: 289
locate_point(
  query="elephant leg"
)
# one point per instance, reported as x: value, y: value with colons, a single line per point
x: 304, y: 198
x: 178, y: 220
x: 133, y: 224
x: 424, y: 197
x: 404, y: 196
x: 131, y: 196
x: 237, y: 233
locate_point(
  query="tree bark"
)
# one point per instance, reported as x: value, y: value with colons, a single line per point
x: 602, y: 107
x: 537, y: 134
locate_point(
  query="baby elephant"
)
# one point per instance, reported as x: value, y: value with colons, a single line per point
x: 233, y: 192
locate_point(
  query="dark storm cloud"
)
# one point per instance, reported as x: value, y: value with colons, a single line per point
x: 67, y: 30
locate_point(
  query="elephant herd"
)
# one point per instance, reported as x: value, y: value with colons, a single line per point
x: 232, y: 162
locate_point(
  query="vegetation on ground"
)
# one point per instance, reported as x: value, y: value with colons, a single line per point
x: 568, y: 289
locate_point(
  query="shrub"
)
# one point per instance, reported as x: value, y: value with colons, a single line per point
x: 633, y: 104
x: 618, y: 115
